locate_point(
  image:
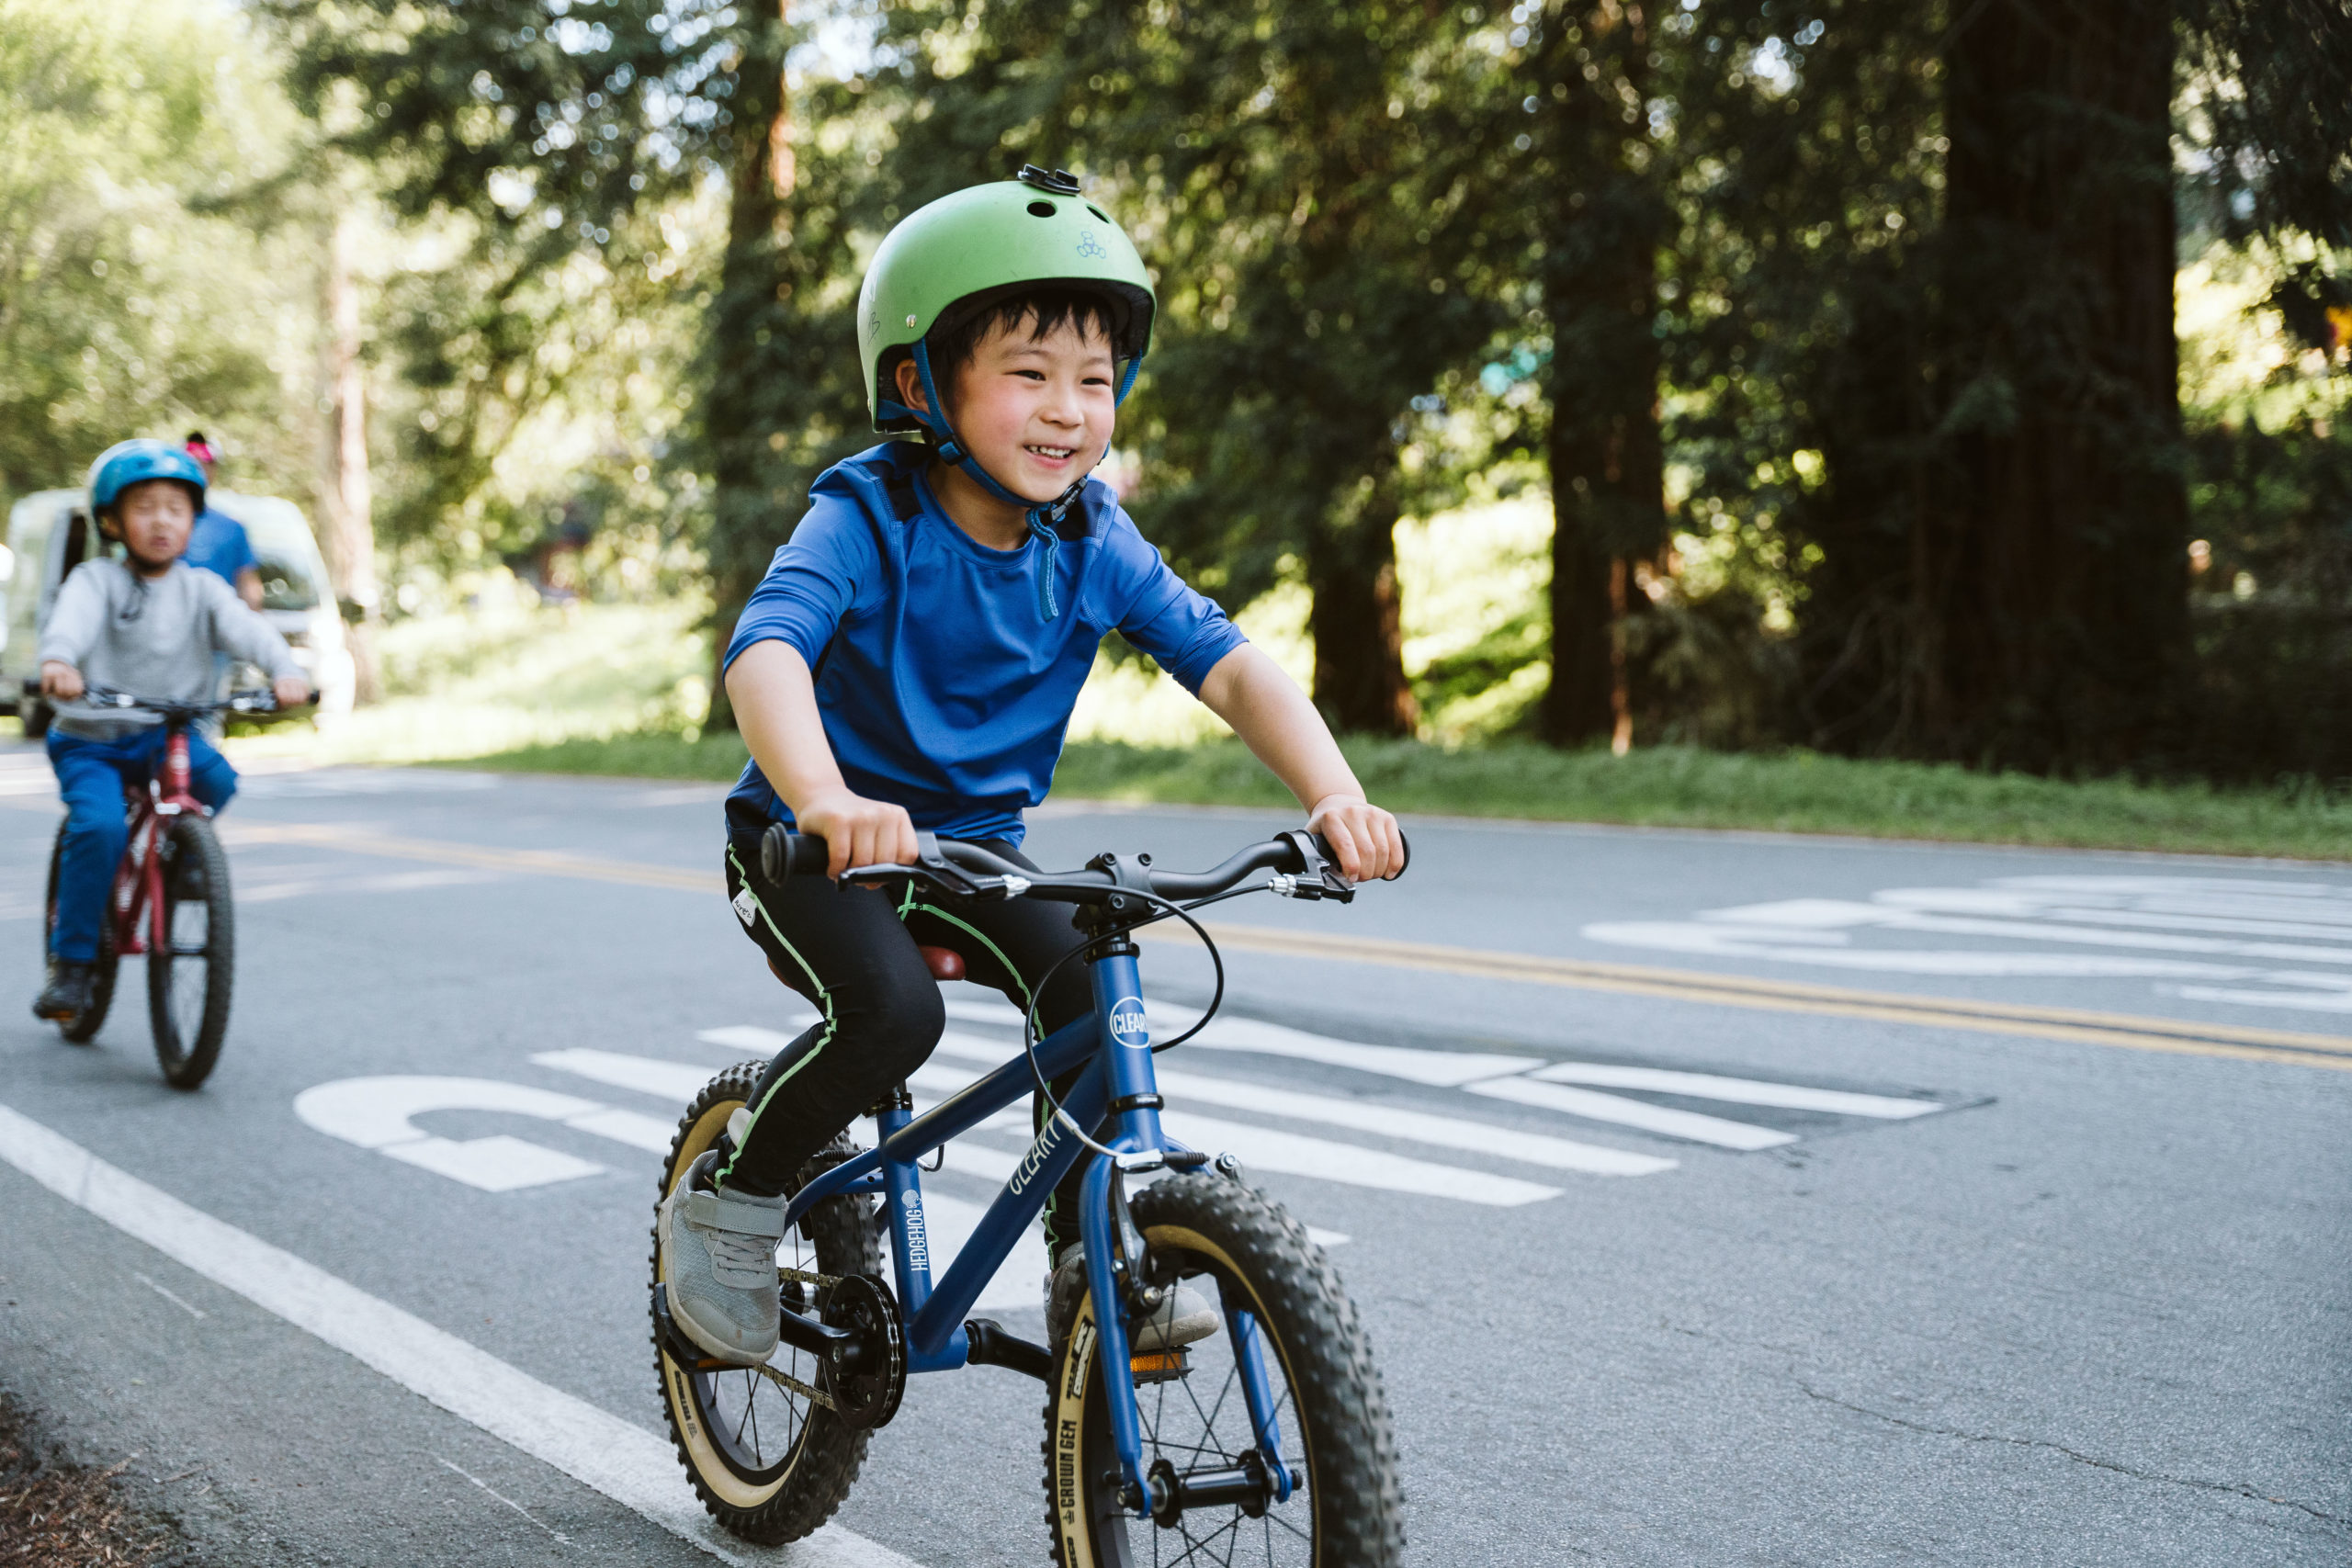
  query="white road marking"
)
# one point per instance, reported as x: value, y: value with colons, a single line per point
x: 1593, y: 1107
x: 680, y: 1081
x: 2307, y: 1001
x: 375, y: 1114
x: 495, y: 1163
x: 753, y: 1038
x: 1443, y: 1069
x: 1443, y: 1132
x: 1296, y: 1154
x: 193, y: 1311
x: 502, y: 1497
x: 622, y: 1460
x: 1737, y: 1091
x: 2185, y: 928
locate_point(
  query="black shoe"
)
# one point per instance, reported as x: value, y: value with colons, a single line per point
x: 67, y: 995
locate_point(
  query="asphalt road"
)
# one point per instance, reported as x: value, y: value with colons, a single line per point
x: 1869, y: 1202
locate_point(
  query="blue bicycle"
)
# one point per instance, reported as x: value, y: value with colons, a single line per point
x: 1269, y: 1443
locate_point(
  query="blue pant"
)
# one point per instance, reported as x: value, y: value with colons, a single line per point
x: 90, y: 775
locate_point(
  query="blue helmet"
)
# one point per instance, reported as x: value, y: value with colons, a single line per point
x: 125, y: 463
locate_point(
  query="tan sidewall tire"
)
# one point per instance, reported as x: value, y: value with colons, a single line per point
x: 704, y: 1455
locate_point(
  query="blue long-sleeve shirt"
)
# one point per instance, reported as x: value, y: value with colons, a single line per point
x: 944, y: 684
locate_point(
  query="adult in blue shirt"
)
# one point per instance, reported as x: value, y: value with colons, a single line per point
x: 218, y: 543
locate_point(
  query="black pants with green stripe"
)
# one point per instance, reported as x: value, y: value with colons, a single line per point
x: 855, y: 954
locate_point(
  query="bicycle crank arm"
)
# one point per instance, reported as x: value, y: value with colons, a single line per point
x: 800, y: 1333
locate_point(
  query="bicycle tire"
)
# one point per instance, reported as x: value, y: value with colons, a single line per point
x: 763, y: 1501
x: 189, y: 990
x: 1338, y: 1436
x: 82, y: 1027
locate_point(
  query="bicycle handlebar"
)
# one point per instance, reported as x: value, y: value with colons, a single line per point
x: 260, y: 700
x: 1302, y: 862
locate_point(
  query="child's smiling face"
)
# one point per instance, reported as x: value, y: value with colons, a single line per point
x: 153, y: 517
x: 1036, y: 411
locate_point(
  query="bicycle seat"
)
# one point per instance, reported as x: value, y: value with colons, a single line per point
x: 944, y: 962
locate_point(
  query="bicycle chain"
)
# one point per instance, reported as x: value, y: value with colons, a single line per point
x: 793, y: 1384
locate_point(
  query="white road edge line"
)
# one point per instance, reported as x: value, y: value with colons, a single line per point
x: 624, y: 1461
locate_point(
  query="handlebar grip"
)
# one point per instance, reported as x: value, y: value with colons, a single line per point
x: 784, y: 853
x: 1323, y: 847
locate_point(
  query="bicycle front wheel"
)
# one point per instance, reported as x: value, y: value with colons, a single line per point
x: 768, y: 1462
x: 1270, y: 1281
x: 191, y: 973
x: 82, y: 1027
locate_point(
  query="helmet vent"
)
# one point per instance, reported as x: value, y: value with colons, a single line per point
x: 1041, y: 210
x: 1098, y: 212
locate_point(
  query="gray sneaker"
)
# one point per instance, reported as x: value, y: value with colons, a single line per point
x: 1185, y: 1315
x: 718, y: 1259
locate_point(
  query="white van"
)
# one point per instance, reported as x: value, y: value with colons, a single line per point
x: 50, y: 532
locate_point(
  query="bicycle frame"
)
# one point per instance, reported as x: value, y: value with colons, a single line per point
x: 135, y: 905
x: 1114, y: 1044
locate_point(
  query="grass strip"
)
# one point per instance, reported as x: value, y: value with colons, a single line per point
x: 1665, y: 786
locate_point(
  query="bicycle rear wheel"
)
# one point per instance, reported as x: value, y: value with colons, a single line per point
x: 1259, y: 1266
x: 189, y: 976
x: 82, y: 1027
x: 769, y: 1464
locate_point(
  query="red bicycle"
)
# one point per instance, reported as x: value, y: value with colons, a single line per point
x: 170, y: 901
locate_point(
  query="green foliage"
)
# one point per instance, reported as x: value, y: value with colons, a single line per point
x: 1708, y: 263
x: 128, y: 304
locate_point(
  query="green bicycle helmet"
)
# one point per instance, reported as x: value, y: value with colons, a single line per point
x: 983, y: 243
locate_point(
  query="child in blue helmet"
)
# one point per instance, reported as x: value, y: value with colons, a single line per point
x: 910, y: 661
x: 148, y: 624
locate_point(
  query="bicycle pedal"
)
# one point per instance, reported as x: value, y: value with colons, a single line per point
x: 1159, y: 1366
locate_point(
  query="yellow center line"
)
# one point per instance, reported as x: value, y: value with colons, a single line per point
x: 2132, y: 1032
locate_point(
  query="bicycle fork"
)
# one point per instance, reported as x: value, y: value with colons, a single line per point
x: 1117, y: 1269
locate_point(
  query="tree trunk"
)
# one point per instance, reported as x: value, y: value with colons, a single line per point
x: 2051, y: 596
x: 348, y: 540
x: 1599, y: 281
x: 1356, y: 620
x: 743, y: 508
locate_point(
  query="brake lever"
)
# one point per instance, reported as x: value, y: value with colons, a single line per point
x: 1317, y: 878
x: 930, y: 865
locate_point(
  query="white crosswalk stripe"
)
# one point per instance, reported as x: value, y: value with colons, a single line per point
x: 1441, y: 1069
x: 1617, y: 1109
x: 374, y: 1112
x: 1737, y: 1091
x: 1413, y: 1126
x: 1293, y: 1154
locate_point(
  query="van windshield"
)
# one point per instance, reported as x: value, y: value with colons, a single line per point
x: 285, y: 585
x: 288, y: 562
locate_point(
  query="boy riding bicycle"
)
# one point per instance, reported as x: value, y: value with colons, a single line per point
x: 148, y: 624
x: 910, y: 661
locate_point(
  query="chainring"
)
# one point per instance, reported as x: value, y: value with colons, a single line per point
x: 868, y: 1396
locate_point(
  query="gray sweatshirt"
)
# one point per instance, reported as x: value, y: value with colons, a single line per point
x: 152, y: 637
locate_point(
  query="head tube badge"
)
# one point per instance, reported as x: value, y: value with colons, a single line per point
x: 1127, y: 1025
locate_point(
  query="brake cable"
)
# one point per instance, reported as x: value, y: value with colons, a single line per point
x: 1029, y: 1023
